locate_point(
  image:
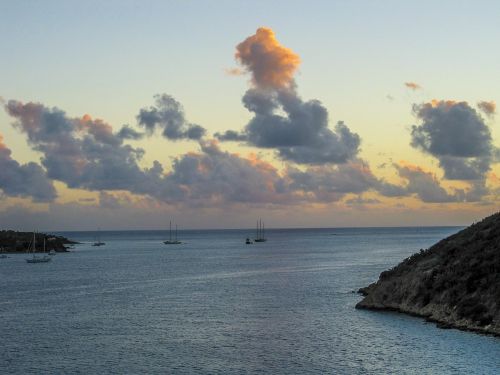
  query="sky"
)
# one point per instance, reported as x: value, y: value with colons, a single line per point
x: 129, y: 114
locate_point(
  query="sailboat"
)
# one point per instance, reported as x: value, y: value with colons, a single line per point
x: 173, y: 241
x: 98, y: 241
x: 44, y: 259
x: 260, y: 232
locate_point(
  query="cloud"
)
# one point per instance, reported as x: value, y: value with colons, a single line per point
x: 230, y: 135
x: 413, y: 86
x: 234, y: 71
x: 86, y: 200
x: 127, y: 132
x: 302, y: 135
x: 167, y: 114
x: 361, y: 201
x: 298, y: 130
x: 488, y: 108
x: 424, y: 184
x: 457, y: 136
x: 331, y: 183
x: 23, y: 180
x: 107, y: 200
x: 85, y: 153
x: 216, y: 177
x: 81, y: 152
x: 271, y: 64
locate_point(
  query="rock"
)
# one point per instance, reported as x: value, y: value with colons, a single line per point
x: 12, y: 241
x: 455, y: 283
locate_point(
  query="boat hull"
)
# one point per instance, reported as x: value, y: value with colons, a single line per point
x: 38, y: 260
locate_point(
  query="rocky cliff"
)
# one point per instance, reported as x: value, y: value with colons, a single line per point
x: 455, y: 283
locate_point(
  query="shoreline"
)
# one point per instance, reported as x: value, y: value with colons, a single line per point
x: 439, y: 323
x: 455, y: 283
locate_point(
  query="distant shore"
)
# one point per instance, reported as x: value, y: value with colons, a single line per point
x: 13, y: 242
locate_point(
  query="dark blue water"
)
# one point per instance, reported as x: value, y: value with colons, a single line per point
x: 216, y: 305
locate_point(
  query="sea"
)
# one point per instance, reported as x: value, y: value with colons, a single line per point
x: 214, y: 305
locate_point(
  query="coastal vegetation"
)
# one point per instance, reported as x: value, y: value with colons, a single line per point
x: 455, y: 283
x: 19, y: 242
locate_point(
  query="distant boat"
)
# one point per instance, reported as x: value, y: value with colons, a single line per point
x: 43, y: 259
x: 260, y: 237
x: 98, y: 241
x: 173, y: 241
x: 52, y: 252
x: 248, y: 241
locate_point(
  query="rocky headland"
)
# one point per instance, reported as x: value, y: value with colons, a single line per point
x: 19, y: 242
x: 455, y: 283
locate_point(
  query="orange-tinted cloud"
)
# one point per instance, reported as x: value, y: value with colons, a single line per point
x: 271, y: 64
x: 3, y: 147
x: 489, y: 108
x: 234, y: 71
x: 413, y: 86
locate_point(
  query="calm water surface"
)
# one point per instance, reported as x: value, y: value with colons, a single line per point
x: 215, y: 305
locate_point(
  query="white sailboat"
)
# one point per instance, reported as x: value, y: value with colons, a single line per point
x: 37, y: 259
x: 173, y: 241
x: 98, y: 241
x: 260, y: 232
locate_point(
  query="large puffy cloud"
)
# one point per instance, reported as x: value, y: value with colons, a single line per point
x: 167, y: 114
x: 85, y: 153
x: 424, y: 184
x: 82, y: 152
x: 26, y: 180
x: 328, y: 183
x: 297, y: 129
x: 331, y: 183
x: 216, y: 176
x: 457, y: 136
x: 271, y: 64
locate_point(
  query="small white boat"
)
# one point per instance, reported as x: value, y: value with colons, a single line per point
x: 52, y: 252
x: 38, y: 259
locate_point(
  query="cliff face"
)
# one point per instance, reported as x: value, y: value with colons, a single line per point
x: 455, y: 283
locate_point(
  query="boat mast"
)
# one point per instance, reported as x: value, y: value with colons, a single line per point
x: 176, y: 232
x: 170, y: 233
